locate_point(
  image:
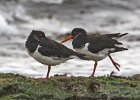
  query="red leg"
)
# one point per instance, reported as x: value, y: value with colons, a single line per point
x: 49, y: 68
x: 114, y: 63
x: 92, y: 75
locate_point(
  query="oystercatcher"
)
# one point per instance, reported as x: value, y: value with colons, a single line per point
x: 96, y: 46
x: 47, y: 51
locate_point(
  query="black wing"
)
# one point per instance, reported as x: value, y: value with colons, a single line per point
x: 97, y: 38
x: 99, y: 42
x: 49, y: 47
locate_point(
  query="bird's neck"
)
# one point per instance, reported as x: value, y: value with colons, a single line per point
x: 79, y: 41
x: 31, y: 44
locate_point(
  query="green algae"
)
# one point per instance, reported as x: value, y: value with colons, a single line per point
x: 17, y: 87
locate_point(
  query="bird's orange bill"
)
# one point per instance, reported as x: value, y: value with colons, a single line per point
x: 68, y: 38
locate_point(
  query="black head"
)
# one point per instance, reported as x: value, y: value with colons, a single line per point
x: 37, y: 35
x: 77, y: 31
x: 33, y: 40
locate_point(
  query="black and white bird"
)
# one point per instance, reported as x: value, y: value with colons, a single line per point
x: 96, y: 46
x: 47, y: 51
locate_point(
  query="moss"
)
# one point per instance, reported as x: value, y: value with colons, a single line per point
x: 17, y: 87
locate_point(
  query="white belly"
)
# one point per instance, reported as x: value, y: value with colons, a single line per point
x: 90, y: 55
x: 47, y: 60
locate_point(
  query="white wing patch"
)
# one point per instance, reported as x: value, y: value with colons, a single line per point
x: 106, y: 51
x: 86, y: 46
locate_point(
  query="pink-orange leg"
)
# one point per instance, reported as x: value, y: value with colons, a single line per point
x: 92, y: 75
x: 49, y: 68
x: 114, y: 63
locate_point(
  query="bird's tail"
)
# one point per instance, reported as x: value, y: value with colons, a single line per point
x: 116, y: 35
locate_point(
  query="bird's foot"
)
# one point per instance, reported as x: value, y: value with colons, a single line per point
x: 116, y: 65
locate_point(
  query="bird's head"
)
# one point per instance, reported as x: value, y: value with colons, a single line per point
x: 37, y: 35
x: 75, y: 32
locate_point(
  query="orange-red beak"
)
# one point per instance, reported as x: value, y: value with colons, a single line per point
x: 68, y: 38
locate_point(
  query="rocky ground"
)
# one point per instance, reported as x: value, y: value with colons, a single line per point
x: 17, y: 87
